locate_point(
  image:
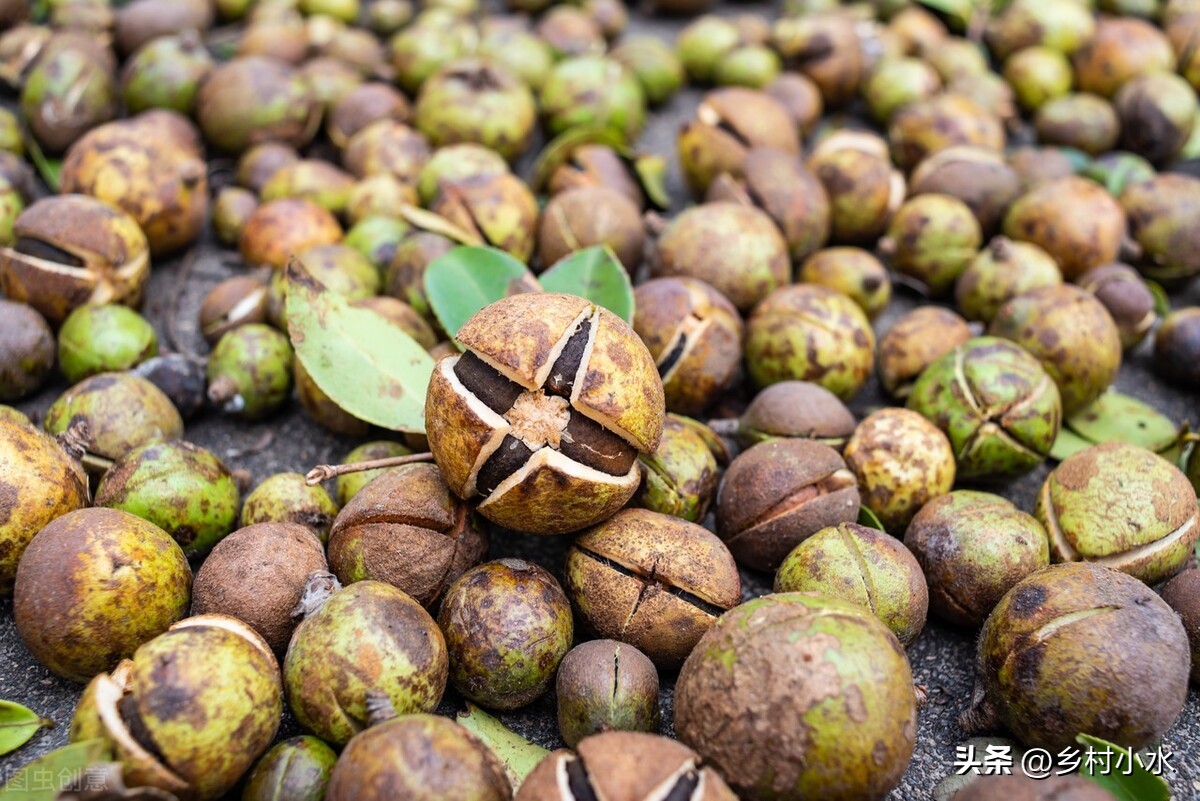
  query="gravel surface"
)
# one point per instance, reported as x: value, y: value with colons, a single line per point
x: 941, y: 658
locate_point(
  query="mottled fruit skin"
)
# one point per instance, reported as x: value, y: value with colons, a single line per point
x: 1073, y: 219
x: 165, y: 73
x: 852, y: 271
x: 902, y: 462
x: 280, y: 229
x: 250, y: 371
x: 1121, y: 49
x: 1123, y: 507
x: 778, y: 493
x: 179, y: 487
x: 258, y: 574
x: 368, y: 638
x: 255, y: 99
x: 350, y: 484
x: 79, y: 608
x: 544, y: 415
x: 1080, y: 120
x: 1071, y: 334
x: 863, y: 566
x: 807, y: 332
x: 26, y: 350
x: 507, y: 626
x: 69, y: 90
x: 476, y: 102
x: 822, y: 669
x: 973, y: 547
x: 103, y: 339
x: 680, y: 477
x: 287, y: 498
x: 406, y: 528
x: 1177, y: 348
x: 1160, y: 212
x: 736, y: 249
x: 590, y: 216
x: 593, y: 91
x: 1081, y: 648
x: 296, y: 769
x: 695, y: 336
x: 418, y: 757
x: 977, y: 176
x: 932, y: 238
x: 500, y: 208
x: 999, y: 408
x: 915, y: 341
x: 1000, y: 272
x: 940, y: 122
x: 122, y: 412
x: 605, y: 685
x: 625, y: 766
x: 653, y: 581
x: 864, y: 190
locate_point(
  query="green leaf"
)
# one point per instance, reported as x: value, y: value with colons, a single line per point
x: 41, y: 779
x: 18, y: 725
x: 1068, y: 443
x: 49, y: 169
x: 518, y: 754
x: 651, y: 171
x: 366, y: 365
x: 437, y: 224
x: 1162, y: 301
x: 594, y: 273
x: 869, y: 519
x: 466, y: 279
x: 1139, y: 785
x: 1116, y: 417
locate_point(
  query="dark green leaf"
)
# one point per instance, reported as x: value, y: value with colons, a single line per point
x: 652, y: 173
x: 869, y: 519
x: 558, y: 151
x: 518, y: 754
x: 18, y: 725
x: 1139, y: 785
x: 1116, y: 417
x: 365, y: 364
x: 1162, y: 301
x: 49, y: 169
x: 41, y: 779
x: 466, y: 279
x: 596, y: 274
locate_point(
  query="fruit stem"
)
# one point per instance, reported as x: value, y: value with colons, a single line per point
x: 324, y: 472
x: 75, y: 439
x: 380, y: 708
x: 319, y: 588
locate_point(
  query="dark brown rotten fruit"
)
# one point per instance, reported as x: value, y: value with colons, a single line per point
x: 588, y: 216
x: 69, y: 250
x: 826, y: 48
x: 1127, y: 298
x: 695, y: 337
x: 1182, y: 594
x: 545, y: 413
x: 624, y: 766
x: 407, y: 529
x: 140, y: 21
x: 258, y: 574
x: 653, y: 581
x: 26, y: 350
x: 796, y: 409
x: 1177, y: 348
x: 254, y: 99
x: 1160, y: 213
x: 777, y: 494
x: 507, y: 625
x: 915, y: 341
x: 1157, y: 112
x: 728, y: 124
x: 605, y: 685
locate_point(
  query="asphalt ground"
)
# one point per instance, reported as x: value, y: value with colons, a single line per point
x: 941, y: 658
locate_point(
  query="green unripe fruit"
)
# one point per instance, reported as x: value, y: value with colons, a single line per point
x: 250, y: 371
x: 127, y: 583
x: 350, y: 484
x: 836, y: 670
x: 287, y: 498
x: 995, y: 403
x: 507, y: 626
x: 932, y: 238
x: 104, y: 339
x: 593, y: 90
x: 376, y: 238
x: 166, y: 73
x: 752, y: 65
x: 457, y: 162
x: 605, y: 685
x: 655, y: 64
x: 1000, y: 272
x: 897, y: 82
x: 1037, y: 75
x: 297, y: 769
x: 478, y: 102
x: 680, y: 477
x: 369, y: 638
x: 122, y: 411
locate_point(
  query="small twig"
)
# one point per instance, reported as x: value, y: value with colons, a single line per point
x: 181, y: 279
x: 325, y: 472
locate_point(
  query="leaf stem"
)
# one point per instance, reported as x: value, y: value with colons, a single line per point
x: 325, y: 472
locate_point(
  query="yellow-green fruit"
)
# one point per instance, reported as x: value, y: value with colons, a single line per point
x: 93, y: 586
x: 348, y: 485
x: 122, y: 411
x: 287, y: 498
x: 104, y: 339
x: 296, y: 769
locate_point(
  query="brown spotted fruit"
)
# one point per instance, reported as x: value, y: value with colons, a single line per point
x: 863, y: 566
x: 1159, y: 212
x: 999, y: 408
x: 70, y: 250
x: 280, y: 229
x: 1003, y: 269
x: 95, y: 584
x: 974, y: 547
x: 1073, y: 219
x: 694, y: 335
x: 806, y: 332
x: 256, y: 99
x: 26, y: 350
x: 1182, y: 594
x: 605, y: 685
x: 190, y: 711
x: 650, y: 580
x: 418, y: 757
x: 545, y: 413
x: 736, y: 249
x: 624, y: 766
x: 1071, y: 333
x: 931, y: 239
x: 832, y: 676
x: 796, y: 409
x: 827, y: 48
x: 1080, y: 648
x: 1123, y: 507
x: 1122, y: 49
x: 854, y: 272
x: 864, y: 189
x: 367, y: 640
x: 499, y: 209
x: 476, y: 101
x: 902, y: 462
x: 587, y: 216
x: 925, y: 127
x: 915, y: 341
x: 978, y: 176
x: 258, y: 575
x: 407, y: 529
x: 287, y: 498
x: 777, y: 494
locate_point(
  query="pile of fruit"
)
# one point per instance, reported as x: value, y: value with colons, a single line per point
x: 437, y: 234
